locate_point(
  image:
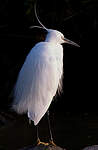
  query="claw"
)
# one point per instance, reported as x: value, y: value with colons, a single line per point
x: 43, y: 143
x: 52, y: 143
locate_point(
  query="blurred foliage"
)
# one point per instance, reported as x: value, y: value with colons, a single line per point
x: 3, y: 12
x: 54, y: 10
x: 28, y: 8
x: 3, y: 7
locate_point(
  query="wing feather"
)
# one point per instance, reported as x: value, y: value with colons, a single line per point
x: 37, y: 82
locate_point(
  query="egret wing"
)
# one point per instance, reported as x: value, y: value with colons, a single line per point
x: 37, y: 82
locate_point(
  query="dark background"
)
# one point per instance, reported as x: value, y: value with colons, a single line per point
x: 78, y: 21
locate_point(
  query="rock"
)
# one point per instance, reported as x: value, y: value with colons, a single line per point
x: 93, y: 147
x: 43, y: 147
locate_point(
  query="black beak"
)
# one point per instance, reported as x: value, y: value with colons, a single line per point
x: 70, y: 42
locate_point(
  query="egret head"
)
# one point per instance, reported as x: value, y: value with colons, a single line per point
x: 58, y: 38
x: 53, y: 36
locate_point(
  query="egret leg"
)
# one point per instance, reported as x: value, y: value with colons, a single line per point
x: 38, y: 139
x: 30, y: 121
x: 51, y: 137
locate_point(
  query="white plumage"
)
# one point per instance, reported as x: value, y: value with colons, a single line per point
x: 40, y: 76
x: 39, y: 79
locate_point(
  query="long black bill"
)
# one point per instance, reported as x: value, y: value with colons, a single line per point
x: 71, y: 42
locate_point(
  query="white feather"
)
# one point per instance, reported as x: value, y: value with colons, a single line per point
x: 38, y: 80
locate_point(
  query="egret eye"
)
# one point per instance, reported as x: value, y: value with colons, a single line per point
x: 62, y: 37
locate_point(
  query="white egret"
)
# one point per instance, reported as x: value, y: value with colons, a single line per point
x: 40, y: 76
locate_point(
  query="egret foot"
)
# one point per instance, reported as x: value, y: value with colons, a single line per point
x: 52, y: 143
x: 43, y: 143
